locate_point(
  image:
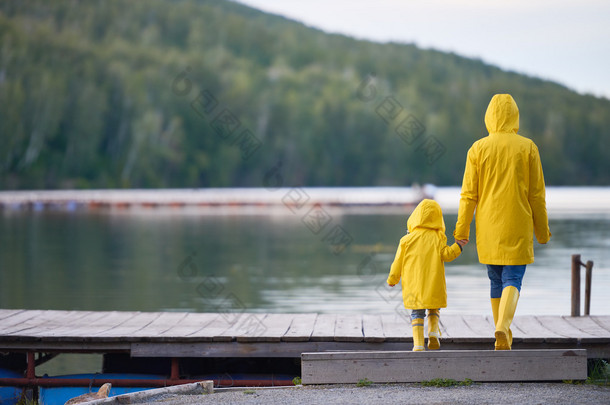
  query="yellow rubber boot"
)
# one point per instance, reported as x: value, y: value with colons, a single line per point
x: 506, y: 312
x: 495, y: 306
x: 418, y: 334
x: 434, y: 332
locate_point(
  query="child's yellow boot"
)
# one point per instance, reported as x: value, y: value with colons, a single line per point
x: 418, y: 334
x: 506, y: 312
x: 495, y: 307
x: 434, y: 332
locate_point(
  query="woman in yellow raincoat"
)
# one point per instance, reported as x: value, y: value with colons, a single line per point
x: 503, y: 180
x: 419, y: 264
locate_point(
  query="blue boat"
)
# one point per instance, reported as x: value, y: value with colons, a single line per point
x: 10, y: 395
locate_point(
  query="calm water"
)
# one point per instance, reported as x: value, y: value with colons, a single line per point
x: 175, y: 260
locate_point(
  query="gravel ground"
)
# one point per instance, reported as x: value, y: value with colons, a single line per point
x: 482, y: 393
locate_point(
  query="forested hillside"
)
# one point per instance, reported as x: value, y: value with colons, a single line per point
x: 194, y: 93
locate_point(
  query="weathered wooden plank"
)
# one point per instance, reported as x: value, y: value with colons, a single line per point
x: 530, y: 329
x: 40, y: 324
x: 190, y: 324
x: 560, y: 326
x: 131, y: 325
x: 213, y: 332
x: 589, y: 326
x: 24, y: 320
x: 8, y: 325
x: 397, y: 327
x: 79, y: 326
x: 324, y: 328
x: 243, y: 324
x: 271, y: 328
x: 348, y: 328
x: 602, y: 321
x: 301, y: 328
x: 162, y: 323
x: 481, y: 325
x: 372, y: 328
x: 43, y: 324
x: 7, y: 313
x: 112, y: 321
x: 519, y: 334
x: 477, y: 365
x: 458, y: 330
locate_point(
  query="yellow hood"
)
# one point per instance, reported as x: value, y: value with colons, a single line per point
x: 502, y: 114
x: 427, y: 214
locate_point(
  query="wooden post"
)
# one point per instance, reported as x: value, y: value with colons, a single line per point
x: 175, y: 371
x: 589, y: 267
x: 575, y: 285
x: 31, y: 391
x: 31, y: 366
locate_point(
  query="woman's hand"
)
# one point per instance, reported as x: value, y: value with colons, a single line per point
x: 462, y: 242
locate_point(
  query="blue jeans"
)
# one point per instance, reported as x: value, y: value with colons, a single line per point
x: 418, y: 314
x: 504, y: 276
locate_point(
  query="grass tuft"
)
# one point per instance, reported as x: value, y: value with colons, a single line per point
x: 598, y: 372
x: 26, y: 401
x: 446, y: 382
x: 365, y: 382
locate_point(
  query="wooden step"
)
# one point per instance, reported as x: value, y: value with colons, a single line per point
x: 476, y: 365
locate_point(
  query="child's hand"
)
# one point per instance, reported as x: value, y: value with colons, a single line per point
x: 462, y: 242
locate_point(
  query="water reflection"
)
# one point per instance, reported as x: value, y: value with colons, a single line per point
x: 258, y: 263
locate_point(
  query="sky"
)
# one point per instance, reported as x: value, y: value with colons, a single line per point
x: 564, y: 41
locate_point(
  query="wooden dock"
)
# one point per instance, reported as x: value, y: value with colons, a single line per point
x: 174, y: 334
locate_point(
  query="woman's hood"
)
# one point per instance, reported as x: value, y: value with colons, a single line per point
x: 502, y: 114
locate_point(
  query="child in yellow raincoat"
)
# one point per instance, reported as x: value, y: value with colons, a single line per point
x: 419, y: 264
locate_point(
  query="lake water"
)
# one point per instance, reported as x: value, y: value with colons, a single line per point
x: 196, y: 260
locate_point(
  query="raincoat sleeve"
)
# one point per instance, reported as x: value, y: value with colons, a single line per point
x: 469, y: 197
x: 396, y: 269
x: 536, y: 197
x: 448, y: 253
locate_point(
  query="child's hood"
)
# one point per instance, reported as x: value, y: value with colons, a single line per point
x: 427, y: 214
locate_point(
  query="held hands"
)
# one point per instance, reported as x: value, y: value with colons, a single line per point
x: 462, y: 242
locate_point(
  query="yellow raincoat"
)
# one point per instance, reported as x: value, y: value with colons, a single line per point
x: 420, y: 256
x: 503, y: 180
